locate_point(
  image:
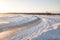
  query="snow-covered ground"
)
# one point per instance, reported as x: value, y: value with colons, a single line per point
x: 36, y: 27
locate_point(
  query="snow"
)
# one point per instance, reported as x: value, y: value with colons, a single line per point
x: 12, y: 20
x: 47, y: 29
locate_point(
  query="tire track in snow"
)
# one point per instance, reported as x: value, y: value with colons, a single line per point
x: 41, y: 30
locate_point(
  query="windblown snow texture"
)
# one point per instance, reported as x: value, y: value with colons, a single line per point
x: 29, y: 27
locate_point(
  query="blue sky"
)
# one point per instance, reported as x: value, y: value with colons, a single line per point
x: 29, y: 5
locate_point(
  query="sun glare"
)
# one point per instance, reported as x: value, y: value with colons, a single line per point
x: 3, y: 9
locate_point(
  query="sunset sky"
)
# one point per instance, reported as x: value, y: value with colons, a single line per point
x: 29, y: 5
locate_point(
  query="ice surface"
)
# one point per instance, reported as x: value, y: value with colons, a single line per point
x: 47, y: 29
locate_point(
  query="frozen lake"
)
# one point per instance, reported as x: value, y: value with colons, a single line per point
x: 29, y: 27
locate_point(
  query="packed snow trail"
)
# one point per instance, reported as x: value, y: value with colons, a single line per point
x: 52, y: 24
x: 39, y: 31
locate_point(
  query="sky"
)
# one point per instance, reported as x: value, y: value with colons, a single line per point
x: 29, y: 5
